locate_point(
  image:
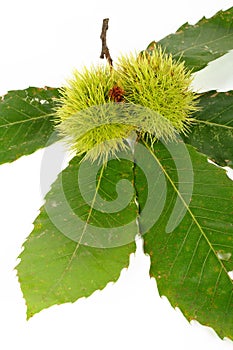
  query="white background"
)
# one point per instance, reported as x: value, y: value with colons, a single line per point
x: 41, y: 42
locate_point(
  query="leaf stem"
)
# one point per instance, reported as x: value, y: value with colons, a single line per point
x: 105, y: 51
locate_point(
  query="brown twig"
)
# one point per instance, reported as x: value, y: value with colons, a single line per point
x: 105, y: 51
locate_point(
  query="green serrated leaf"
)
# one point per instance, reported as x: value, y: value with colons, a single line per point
x: 26, y: 121
x: 66, y: 257
x: 212, y: 131
x: 203, y: 42
x: 192, y: 262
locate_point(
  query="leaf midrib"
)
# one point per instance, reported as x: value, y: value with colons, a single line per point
x: 73, y: 255
x: 22, y: 121
x: 212, y: 124
x: 188, y: 210
x: 181, y: 52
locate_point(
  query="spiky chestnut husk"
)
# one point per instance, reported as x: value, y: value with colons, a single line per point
x: 86, y: 89
x: 86, y: 117
x: 152, y: 95
x: 154, y: 80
